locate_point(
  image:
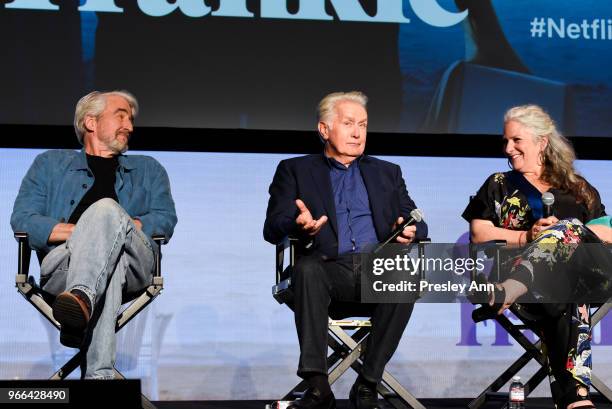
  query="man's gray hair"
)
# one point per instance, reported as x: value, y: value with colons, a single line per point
x: 327, y: 106
x: 93, y: 104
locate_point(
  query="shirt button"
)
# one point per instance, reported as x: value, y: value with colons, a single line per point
x: 84, y: 185
x: 72, y: 202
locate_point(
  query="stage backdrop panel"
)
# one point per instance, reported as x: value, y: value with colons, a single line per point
x: 217, y: 333
x: 264, y: 64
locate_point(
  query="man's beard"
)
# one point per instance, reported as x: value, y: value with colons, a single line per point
x: 118, y: 147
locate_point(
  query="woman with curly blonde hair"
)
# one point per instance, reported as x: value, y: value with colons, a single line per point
x: 555, y: 267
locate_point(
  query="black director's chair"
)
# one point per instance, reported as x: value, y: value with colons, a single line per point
x: 498, y: 251
x: 42, y: 301
x: 347, y: 348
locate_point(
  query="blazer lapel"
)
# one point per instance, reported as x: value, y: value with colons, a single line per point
x: 320, y: 175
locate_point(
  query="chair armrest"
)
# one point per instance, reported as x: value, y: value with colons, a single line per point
x: 20, y: 235
x: 281, y: 291
x: 491, y: 245
x: 421, y: 251
x: 160, y: 240
x: 290, y: 243
x: 492, y: 249
x: 23, y: 254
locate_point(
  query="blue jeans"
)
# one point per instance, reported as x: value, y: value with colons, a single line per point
x: 106, y: 257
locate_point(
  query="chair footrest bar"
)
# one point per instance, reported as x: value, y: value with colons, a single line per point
x: 350, y: 323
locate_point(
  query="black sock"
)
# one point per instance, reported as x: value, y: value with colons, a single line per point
x: 319, y: 381
x: 369, y: 384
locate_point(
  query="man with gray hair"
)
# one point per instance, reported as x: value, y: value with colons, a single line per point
x: 91, y: 215
x: 337, y: 203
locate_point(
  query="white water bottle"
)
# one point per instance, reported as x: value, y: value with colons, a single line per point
x: 517, y: 394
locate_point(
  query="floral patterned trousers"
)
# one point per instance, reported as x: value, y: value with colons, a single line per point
x: 566, y: 275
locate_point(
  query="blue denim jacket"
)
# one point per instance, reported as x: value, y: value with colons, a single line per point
x: 58, y: 179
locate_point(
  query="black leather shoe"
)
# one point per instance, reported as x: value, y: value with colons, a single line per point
x: 486, y: 311
x: 363, y: 397
x: 312, y: 399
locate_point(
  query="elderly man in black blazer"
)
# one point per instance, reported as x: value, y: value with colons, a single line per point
x: 339, y: 202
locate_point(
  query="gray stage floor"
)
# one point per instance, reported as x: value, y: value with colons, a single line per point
x: 533, y: 403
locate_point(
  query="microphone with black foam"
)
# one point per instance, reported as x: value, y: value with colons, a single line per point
x: 415, y: 216
x: 548, y: 199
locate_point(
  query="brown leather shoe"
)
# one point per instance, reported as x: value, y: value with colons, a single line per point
x: 72, y: 312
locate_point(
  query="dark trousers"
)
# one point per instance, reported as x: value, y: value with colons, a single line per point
x: 316, y: 284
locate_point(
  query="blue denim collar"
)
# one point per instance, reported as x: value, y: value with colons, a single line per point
x: 79, y: 162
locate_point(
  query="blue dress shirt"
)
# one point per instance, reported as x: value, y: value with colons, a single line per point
x: 353, y: 213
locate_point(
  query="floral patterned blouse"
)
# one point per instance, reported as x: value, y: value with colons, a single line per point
x: 511, y: 202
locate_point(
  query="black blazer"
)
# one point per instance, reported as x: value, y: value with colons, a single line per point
x: 307, y: 178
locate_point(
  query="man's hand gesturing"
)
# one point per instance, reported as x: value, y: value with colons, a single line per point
x: 305, y: 220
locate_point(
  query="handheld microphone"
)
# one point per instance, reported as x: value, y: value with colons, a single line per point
x: 548, y: 199
x: 415, y: 216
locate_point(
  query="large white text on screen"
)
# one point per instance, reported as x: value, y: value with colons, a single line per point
x: 388, y: 11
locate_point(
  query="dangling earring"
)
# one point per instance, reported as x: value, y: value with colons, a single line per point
x: 510, y: 164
